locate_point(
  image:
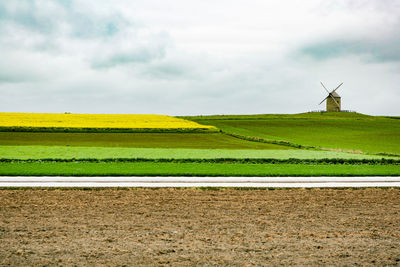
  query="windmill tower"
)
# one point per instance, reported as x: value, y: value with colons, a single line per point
x: 333, y: 100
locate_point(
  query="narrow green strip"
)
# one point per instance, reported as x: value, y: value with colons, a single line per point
x: 65, y: 152
x: 191, y: 169
x: 218, y: 160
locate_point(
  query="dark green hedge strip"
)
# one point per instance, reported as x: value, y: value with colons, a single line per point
x: 196, y: 175
x: 268, y: 141
x: 388, y: 154
x: 105, y: 130
x: 382, y: 161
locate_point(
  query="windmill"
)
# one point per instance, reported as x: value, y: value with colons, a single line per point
x: 333, y: 103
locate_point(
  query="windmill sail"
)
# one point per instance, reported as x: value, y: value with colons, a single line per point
x: 323, y: 100
x: 324, y: 87
x: 336, y: 88
x: 332, y: 105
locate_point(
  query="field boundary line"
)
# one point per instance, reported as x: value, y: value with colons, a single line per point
x: 267, y: 141
x: 299, y: 146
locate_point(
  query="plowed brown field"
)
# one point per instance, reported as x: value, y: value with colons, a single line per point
x: 194, y: 227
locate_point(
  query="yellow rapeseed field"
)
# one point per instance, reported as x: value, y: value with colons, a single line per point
x: 125, y: 121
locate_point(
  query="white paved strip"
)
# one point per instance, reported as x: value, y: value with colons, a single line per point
x: 160, y: 184
x: 171, y: 179
x: 22, y: 181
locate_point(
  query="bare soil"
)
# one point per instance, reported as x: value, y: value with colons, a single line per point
x: 194, y: 227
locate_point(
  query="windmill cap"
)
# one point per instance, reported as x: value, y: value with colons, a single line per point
x: 334, y: 94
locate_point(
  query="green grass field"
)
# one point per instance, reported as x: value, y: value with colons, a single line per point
x: 138, y: 140
x: 341, y: 131
x: 192, y: 169
x: 65, y: 152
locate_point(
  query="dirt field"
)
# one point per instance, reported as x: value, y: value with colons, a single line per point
x: 195, y: 227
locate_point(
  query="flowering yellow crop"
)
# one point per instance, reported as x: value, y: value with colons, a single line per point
x: 126, y: 121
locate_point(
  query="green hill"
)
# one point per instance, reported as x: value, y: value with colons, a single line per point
x: 339, y: 131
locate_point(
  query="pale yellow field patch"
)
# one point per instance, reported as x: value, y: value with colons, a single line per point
x: 119, y: 121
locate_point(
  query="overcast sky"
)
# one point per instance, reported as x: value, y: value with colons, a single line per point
x: 180, y: 57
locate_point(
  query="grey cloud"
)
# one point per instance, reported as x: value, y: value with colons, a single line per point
x: 12, y: 78
x: 87, y: 27
x: 137, y: 49
x: 372, y: 31
x: 378, y: 51
x: 27, y: 14
x: 36, y: 17
x: 166, y: 71
x: 142, y: 55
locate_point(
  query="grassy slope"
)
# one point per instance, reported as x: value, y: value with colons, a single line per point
x: 65, y: 152
x: 193, y: 169
x: 348, y: 131
x: 149, y: 140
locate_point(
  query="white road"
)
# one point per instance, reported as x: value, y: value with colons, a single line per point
x: 307, y: 182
